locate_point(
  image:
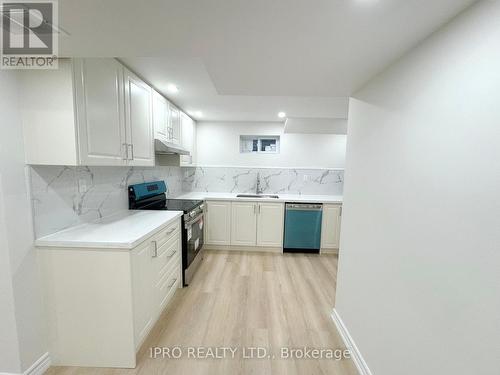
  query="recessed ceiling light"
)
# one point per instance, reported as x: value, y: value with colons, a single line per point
x: 281, y: 114
x: 172, y: 88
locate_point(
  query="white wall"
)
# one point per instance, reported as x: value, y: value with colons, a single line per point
x: 419, y: 276
x: 9, y: 358
x: 218, y: 144
x: 20, y: 305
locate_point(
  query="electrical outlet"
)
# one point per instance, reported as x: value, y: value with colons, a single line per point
x: 306, y: 178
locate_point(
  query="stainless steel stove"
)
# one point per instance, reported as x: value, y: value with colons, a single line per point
x: 152, y: 196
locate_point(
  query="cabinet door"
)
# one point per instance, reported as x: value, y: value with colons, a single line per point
x: 218, y: 223
x: 175, y: 125
x: 138, y: 118
x: 330, y: 228
x: 187, y: 139
x: 142, y: 281
x: 244, y: 223
x: 160, y: 116
x: 270, y: 224
x: 168, y: 271
x: 100, y: 104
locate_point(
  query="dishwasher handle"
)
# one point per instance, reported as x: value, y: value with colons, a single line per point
x: 304, y: 207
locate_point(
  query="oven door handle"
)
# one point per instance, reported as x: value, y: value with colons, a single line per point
x: 195, y: 220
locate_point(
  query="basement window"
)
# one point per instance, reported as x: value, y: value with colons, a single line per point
x: 260, y: 144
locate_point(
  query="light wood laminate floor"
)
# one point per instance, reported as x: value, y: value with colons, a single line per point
x: 242, y: 300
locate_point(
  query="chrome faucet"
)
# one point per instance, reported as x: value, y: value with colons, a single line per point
x: 259, y: 187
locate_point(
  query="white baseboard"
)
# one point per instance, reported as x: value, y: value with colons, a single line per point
x: 357, y: 358
x: 41, y: 365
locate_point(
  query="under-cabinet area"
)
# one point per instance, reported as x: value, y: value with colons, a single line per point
x: 241, y: 225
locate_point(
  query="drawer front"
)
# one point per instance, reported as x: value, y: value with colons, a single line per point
x: 167, y: 286
x: 167, y: 233
x: 168, y: 256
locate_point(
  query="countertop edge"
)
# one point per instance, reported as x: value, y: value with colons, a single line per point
x: 96, y: 245
x: 209, y: 197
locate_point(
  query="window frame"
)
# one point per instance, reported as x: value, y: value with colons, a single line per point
x: 259, y: 138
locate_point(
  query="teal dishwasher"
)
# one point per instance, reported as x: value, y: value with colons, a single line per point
x: 303, y: 227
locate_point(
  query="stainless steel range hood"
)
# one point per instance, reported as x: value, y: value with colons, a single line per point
x: 167, y: 148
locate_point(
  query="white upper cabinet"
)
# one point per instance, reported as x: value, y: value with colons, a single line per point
x: 174, y: 127
x: 270, y: 224
x: 188, y: 140
x: 99, y: 95
x: 160, y: 116
x: 97, y: 113
x: 330, y: 228
x: 244, y: 223
x: 138, y: 120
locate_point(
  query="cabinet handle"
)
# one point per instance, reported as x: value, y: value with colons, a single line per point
x: 132, y: 151
x: 171, y: 231
x: 254, y: 209
x: 172, y: 283
x: 172, y: 253
x: 155, y: 249
x: 340, y: 214
x: 259, y: 209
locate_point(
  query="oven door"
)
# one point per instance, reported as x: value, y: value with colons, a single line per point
x: 194, y: 237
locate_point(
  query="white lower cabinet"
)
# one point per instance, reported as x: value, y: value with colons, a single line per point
x: 261, y: 224
x: 330, y: 227
x: 244, y: 223
x: 168, y: 274
x: 270, y: 223
x: 257, y: 224
x: 218, y: 223
x: 142, y: 294
x: 102, y: 303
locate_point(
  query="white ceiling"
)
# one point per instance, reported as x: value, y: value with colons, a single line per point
x: 241, y: 60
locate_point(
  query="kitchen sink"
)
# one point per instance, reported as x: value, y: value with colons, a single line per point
x: 257, y: 196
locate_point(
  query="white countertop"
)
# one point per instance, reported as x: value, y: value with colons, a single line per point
x: 282, y: 197
x: 124, y: 230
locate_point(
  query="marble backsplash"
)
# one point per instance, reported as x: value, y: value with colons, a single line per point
x: 273, y: 180
x: 66, y: 196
